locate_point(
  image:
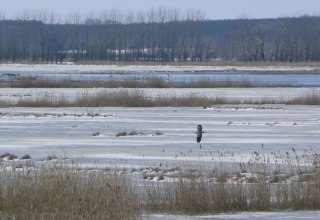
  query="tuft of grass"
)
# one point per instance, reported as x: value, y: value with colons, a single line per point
x: 131, y: 133
x: 96, y: 134
x: 25, y: 157
x: 121, y: 133
x: 51, y: 157
x: 158, y: 133
x: 9, y: 156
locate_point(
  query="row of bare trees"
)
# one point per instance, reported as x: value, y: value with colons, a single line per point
x: 155, y: 35
x: 281, y: 40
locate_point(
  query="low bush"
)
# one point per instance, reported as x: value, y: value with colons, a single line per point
x: 52, y: 157
x: 131, y: 133
x: 9, y: 156
x: 96, y: 134
x: 25, y: 157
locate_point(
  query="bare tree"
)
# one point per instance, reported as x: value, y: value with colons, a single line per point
x: 2, y: 18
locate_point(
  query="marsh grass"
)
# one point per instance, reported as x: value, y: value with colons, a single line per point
x: 4, y: 104
x: 25, y: 157
x: 131, y: 133
x: 56, y: 191
x: 9, y: 156
x: 310, y: 98
x: 59, y: 192
x: 46, y: 99
x: 135, y: 82
x: 119, y: 98
x: 292, y: 184
x: 137, y: 98
x: 51, y: 157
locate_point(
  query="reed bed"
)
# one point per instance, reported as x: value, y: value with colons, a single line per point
x: 290, y: 182
x: 274, y: 182
x: 138, y: 98
x: 59, y: 192
x: 310, y: 98
x: 135, y: 82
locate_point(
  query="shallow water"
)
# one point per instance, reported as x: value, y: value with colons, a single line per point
x: 300, y: 79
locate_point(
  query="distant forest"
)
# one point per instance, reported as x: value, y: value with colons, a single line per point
x: 157, y: 36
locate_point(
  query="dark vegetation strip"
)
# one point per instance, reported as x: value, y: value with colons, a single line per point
x: 134, y: 82
x: 137, y: 98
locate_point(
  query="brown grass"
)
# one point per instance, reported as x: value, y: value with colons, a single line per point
x: 55, y: 191
x: 131, y: 133
x: 137, y: 98
x: 120, y: 98
x: 204, y: 192
x: 44, y: 100
x: 134, y: 82
x: 4, y: 104
x: 310, y: 98
x: 61, y: 193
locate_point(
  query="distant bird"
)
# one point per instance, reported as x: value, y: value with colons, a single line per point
x: 199, y: 134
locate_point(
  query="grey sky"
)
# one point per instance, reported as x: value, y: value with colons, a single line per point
x: 214, y: 9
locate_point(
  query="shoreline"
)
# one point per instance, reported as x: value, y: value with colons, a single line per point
x: 145, y: 67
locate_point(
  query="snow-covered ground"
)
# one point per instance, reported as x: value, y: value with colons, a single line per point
x: 69, y: 68
x: 167, y: 135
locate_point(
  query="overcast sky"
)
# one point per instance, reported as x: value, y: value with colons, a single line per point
x: 214, y: 9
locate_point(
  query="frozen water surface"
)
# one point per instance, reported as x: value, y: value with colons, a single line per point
x: 292, y: 75
x: 167, y: 134
x: 246, y: 216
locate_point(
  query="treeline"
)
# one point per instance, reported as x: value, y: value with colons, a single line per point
x: 161, y: 35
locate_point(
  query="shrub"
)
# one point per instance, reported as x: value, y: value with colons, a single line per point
x: 121, y: 133
x: 96, y: 133
x: 9, y: 156
x: 25, y: 157
x: 131, y: 133
x: 52, y: 157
